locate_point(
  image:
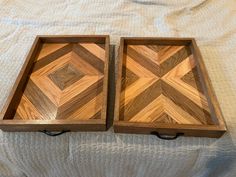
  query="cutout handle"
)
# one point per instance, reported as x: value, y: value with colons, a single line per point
x: 167, y: 137
x: 54, y: 134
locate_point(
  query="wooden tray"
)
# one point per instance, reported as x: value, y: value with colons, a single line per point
x: 62, y: 86
x: 163, y: 88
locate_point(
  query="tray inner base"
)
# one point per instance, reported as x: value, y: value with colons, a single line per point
x: 161, y: 84
x: 66, y: 82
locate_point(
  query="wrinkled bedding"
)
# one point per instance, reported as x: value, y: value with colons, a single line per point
x: 105, y: 154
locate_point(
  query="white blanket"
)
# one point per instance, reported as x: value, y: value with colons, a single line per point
x: 105, y: 154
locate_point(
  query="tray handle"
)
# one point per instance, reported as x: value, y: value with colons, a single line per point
x: 167, y: 137
x: 54, y: 134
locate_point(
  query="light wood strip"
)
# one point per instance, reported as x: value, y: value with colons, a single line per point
x: 156, y: 48
x: 151, y: 112
x: 79, y: 100
x: 89, y: 57
x: 143, y: 60
x: 187, y: 90
x: 167, y: 52
x: 48, y: 48
x: 173, y: 78
x: 95, y: 49
x: 166, y: 119
x: 186, y: 103
x: 174, y: 60
x: 26, y: 110
x: 178, y: 114
x: 87, y: 111
x: 52, y: 57
x: 48, y: 88
x: 147, y: 52
x: 83, y: 66
x: 135, y: 89
x: 138, y: 101
x: 43, y: 104
x: 78, y: 87
x: 181, y: 69
x: 138, y: 69
x: 53, y: 66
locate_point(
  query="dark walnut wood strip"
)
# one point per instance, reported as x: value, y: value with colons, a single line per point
x: 142, y: 60
x: 136, y: 104
x: 165, y: 118
x: 26, y: 110
x: 186, y: 104
x: 68, y: 108
x: 156, y: 48
x: 65, y: 76
x: 192, y: 78
x: 89, y: 57
x: 128, y: 78
x: 97, y: 115
x: 41, y: 102
x: 52, y: 57
x: 174, y: 60
x: 101, y: 45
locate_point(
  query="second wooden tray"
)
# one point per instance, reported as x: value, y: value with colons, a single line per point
x: 163, y: 88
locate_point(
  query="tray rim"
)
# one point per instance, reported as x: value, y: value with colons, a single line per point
x: 215, y: 130
x: 18, y: 125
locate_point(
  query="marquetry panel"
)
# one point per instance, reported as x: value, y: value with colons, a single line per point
x: 161, y: 84
x: 67, y: 81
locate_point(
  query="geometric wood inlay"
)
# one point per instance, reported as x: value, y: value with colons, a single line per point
x: 66, y: 83
x: 160, y: 83
x: 192, y: 78
x: 65, y: 76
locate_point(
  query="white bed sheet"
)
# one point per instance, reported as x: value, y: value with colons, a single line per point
x: 105, y: 154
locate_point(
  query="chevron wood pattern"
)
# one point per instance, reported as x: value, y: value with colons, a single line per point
x: 161, y: 84
x: 67, y: 81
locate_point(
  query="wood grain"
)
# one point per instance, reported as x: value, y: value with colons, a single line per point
x: 61, y: 80
x: 160, y: 82
x: 66, y: 80
x: 137, y: 98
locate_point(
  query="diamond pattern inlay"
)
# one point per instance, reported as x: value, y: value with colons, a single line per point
x: 65, y: 76
x: 66, y: 83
